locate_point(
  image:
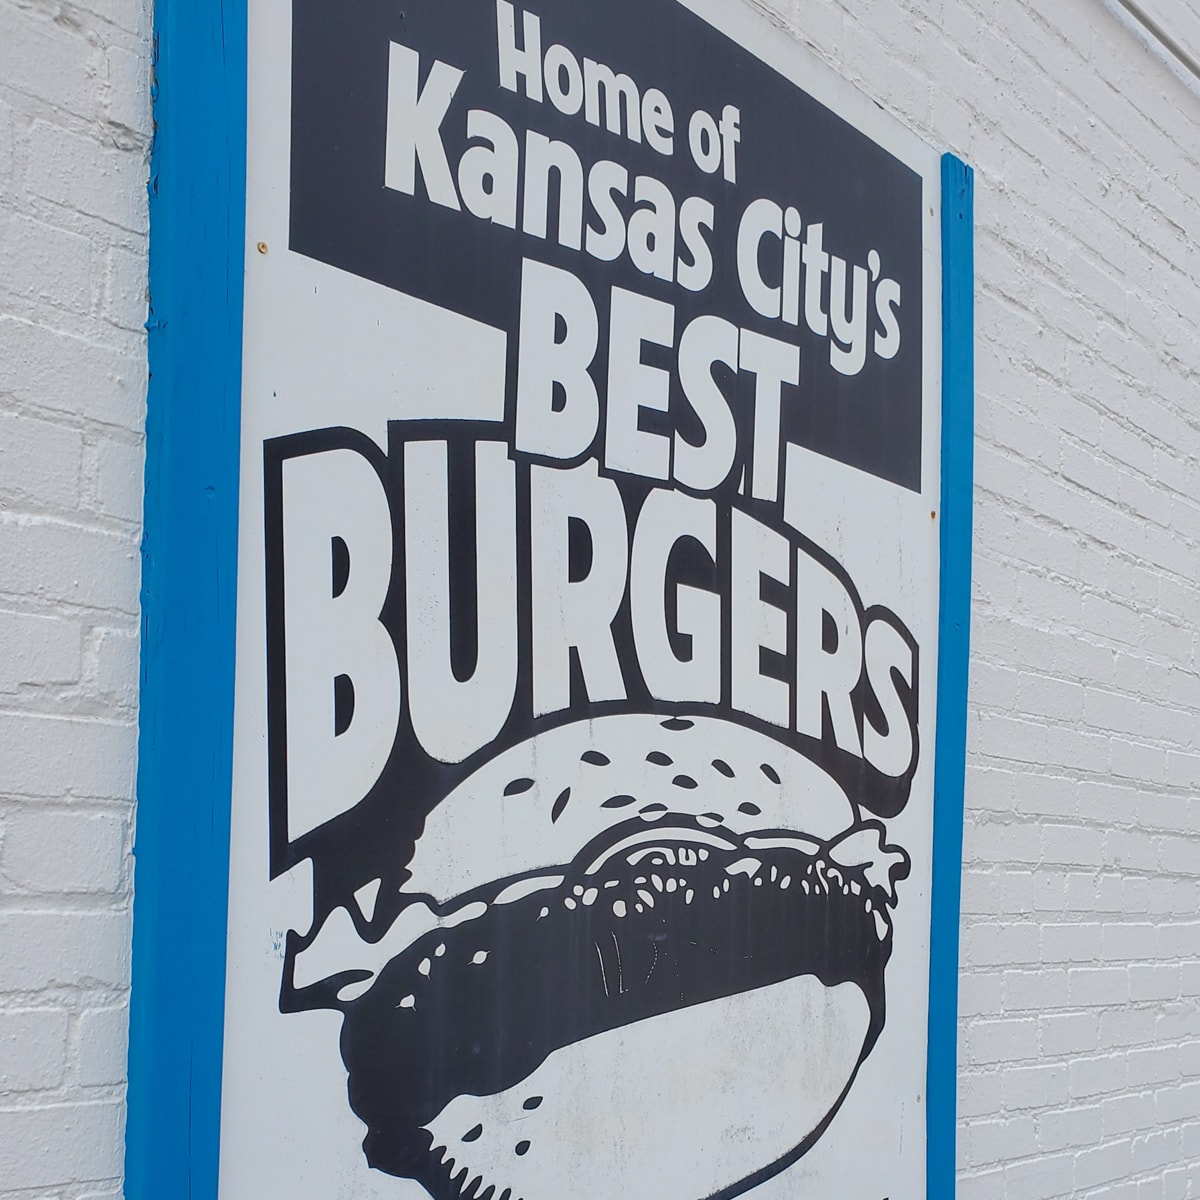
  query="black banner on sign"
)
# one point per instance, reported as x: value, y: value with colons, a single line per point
x: 836, y: 246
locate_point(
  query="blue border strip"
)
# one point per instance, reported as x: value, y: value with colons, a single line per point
x: 954, y: 638
x: 189, y: 556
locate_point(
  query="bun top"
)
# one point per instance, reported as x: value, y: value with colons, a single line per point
x: 536, y: 805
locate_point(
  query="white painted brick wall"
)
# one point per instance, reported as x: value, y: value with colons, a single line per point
x: 74, y: 129
x: 1080, y: 996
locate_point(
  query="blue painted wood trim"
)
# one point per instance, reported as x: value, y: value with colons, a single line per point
x: 958, y: 433
x: 197, y: 201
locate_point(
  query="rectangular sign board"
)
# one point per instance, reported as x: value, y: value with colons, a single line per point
x: 590, y: 574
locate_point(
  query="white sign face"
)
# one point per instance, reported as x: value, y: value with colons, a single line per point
x: 588, y: 612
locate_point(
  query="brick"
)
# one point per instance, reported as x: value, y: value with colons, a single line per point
x: 1182, y: 769
x: 103, y: 1047
x: 1042, y: 1178
x: 126, y: 288
x: 1034, y: 990
x: 1175, y: 1184
x: 1154, y: 981
x: 40, y: 650
x: 1175, y: 1105
x: 7, y: 140
x: 1178, y: 939
x: 1132, y: 849
x: 1180, y: 855
x: 1164, y: 812
x: 120, y: 479
x: 1127, y: 1027
x: 1111, y: 710
x: 1001, y: 1140
x: 1151, y: 1065
x: 87, y: 175
x: 1003, y: 1041
x: 58, y: 756
x: 64, y: 852
x: 44, y: 950
x: 1100, y: 986
x: 48, y: 60
x: 1104, y: 1164
x: 70, y: 374
x: 1076, y: 845
x: 996, y: 842
x: 1177, y: 1023
x: 981, y: 1186
x: 1129, y: 941
x: 127, y: 95
x: 1107, y: 801
x: 116, y: 652
x: 1138, y: 761
x: 1154, y: 1151
x: 1070, y: 943
x: 130, y: 15
x: 1075, y: 1127
x: 979, y: 994
x: 1064, y: 1034
x: 60, y: 561
x: 43, y: 1147
x: 1043, y: 1086
x: 26, y: 446
x: 33, y: 1050
x: 979, y: 1095
x: 1052, y: 890
x: 1124, y: 1114
x: 1091, y: 1078
x: 44, y: 263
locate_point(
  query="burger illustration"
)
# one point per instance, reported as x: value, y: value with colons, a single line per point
x: 641, y: 955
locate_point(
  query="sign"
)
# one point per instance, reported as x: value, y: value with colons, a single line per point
x: 589, y: 596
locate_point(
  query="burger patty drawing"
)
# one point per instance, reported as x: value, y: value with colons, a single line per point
x: 644, y: 956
